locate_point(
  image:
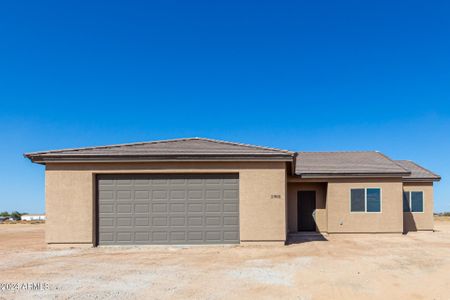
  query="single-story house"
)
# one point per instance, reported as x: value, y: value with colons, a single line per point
x: 32, y: 217
x: 204, y: 191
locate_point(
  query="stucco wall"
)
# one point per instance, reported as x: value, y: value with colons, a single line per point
x: 70, y: 196
x: 414, y: 221
x: 69, y: 207
x: 321, y: 211
x: 341, y: 220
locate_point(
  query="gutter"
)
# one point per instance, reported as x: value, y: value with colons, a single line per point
x: 436, y: 179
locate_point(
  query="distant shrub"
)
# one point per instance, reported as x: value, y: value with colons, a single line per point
x: 442, y: 214
x: 16, y: 215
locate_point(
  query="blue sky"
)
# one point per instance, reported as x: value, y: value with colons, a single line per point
x: 299, y: 75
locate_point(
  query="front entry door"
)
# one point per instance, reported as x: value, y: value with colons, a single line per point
x: 306, y: 205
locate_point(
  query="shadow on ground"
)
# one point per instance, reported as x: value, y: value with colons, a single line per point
x: 300, y: 238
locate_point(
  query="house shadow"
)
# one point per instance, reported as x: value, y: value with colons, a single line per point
x: 408, y: 223
x: 305, y: 237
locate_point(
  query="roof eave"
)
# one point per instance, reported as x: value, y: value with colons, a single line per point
x: 351, y: 175
x: 156, y: 158
x: 422, y: 179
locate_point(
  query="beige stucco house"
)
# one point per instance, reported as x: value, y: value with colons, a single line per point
x: 203, y: 191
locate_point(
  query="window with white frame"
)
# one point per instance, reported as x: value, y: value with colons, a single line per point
x: 365, y: 200
x: 413, y: 201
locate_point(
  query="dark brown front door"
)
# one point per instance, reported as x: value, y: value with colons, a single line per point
x: 306, y: 205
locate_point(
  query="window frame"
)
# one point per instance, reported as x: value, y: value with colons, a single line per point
x: 365, y: 200
x: 410, y: 202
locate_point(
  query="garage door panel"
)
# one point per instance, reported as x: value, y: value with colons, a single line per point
x: 124, y: 236
x: 230, y: 235
x: 213, y: 181
x: 178, y: 195
x: 213, y: 221
x: 230, y: 221
x: 141, y: 222
x: 144, y: 182
x: 195, y: 207
x: 213, y: 207
x: 121, y: 222
x: 124, y: 208
x: 141, y: 195
x: 160, y: 221
x: 194, y: 181
x: 159, y: 207
x: 179, y: 181
x: 178, y: 221
x: 107, y: 182
x: 213, y: 236
x: 230, y: 207
x: 141, y: 208
x: 124, y: 182
x: 213, y: 194
x: 194, y: 195
x: 107, y: 208
x: 168, y: 209
x: 195, y: 236
x: 232, y: 181
x: 195, y: 221
x: 106, y: 195
x: 160, y: 182
x: 177, y: 207
x: 178, y: 236
x: 160, y: 236
x: 160, y: 195
x: 141, y: 236
x: 123, y: 195
x: 107, y: 237
x: 107, y: 222
x: 230, y: 194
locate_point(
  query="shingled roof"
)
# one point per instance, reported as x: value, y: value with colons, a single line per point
x: 307, y: 164
x: 361, y: 163
x: 181, y: 149
x: 418, y: 173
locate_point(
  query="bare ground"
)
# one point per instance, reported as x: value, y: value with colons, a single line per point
x: 413, y: 266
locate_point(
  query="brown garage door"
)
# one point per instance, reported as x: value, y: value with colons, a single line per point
x: 168, y: 209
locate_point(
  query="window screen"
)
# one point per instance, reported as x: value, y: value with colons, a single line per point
x: 417, y: 201
x: 357, y: 200
x: 373, y: 200
x: 406, y: 207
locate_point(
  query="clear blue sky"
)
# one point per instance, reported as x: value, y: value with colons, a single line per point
x: 299, y: 75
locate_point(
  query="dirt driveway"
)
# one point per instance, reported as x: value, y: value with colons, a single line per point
x: 415, y: 266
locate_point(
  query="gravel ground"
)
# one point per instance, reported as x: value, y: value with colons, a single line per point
x: 414, y: 266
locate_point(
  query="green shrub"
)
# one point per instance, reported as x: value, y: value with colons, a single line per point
x: 16, y: 215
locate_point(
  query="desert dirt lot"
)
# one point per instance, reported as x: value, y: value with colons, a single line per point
x: 414, y: 266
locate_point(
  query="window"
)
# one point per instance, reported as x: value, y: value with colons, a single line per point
x: 358, y: 200
x: 413, y: 201
x: 365, y: 200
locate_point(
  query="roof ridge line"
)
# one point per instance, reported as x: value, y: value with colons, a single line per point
x: 343, y: 151
x: 246, y: 145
